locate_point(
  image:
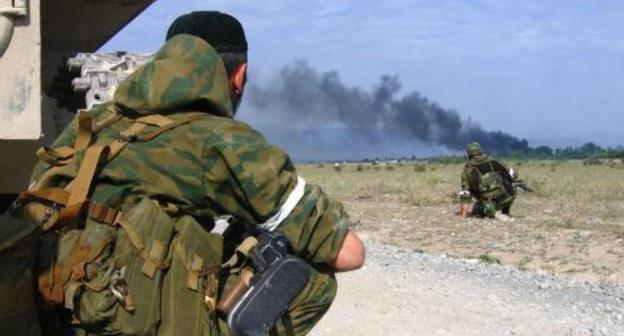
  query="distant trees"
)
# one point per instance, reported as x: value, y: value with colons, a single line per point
x: 589, y: 150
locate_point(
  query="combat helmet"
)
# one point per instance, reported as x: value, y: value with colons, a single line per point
x: 473, y: 149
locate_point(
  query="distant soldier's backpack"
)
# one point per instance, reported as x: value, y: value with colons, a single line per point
x: 490, y: 180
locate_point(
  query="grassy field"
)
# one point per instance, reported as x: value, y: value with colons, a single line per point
x: 572, y: 225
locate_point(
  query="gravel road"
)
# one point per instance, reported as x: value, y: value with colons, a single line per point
x: 402, y: 292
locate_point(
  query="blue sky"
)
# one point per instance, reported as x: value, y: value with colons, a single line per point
x: 539, y: 69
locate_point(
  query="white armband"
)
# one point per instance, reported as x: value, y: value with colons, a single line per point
x: 291, y: 202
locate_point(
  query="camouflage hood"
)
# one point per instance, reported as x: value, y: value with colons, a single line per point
x: 186, y: 73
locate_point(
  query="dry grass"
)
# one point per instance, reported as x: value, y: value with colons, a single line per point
x: 573, y: 224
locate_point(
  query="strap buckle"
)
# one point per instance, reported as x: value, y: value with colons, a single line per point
x: 50, y: 211
x: 127, y: 137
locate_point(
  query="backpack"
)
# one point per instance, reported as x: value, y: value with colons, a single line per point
x: 143, y: 268
x: 491, y: 181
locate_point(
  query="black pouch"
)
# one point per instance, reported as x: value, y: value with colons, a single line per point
x: 269, y: 296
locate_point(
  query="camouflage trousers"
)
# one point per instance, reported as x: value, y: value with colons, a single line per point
x: 487, y: 208
x: 307, y: 308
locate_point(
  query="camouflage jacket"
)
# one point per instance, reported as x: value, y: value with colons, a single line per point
x: 210, y: 167
x: 470, y: 176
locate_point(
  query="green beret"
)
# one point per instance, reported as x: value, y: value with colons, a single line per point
x: 473, y: 149
x: 222, y: 31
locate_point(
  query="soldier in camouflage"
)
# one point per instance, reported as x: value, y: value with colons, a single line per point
x: 489, y: 183
x: 207, y: 165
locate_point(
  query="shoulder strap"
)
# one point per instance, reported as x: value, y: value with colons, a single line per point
x: 483, y: 168
x: 86, y: 128
x: 168, y: 126
x: 82, y: 182
x: 74, y: 197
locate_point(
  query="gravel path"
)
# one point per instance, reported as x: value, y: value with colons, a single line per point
x: 401, y: 292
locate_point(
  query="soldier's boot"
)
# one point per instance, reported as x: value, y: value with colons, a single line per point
x: 502, y: 217
x: 506, y: 207
x: 310, y: 305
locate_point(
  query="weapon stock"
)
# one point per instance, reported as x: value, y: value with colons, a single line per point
x: 267, y: 285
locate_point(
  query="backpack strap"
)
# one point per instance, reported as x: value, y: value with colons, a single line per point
x: 193, y: 265
x: 74, y: 197
x: 56, y: 156
x: 52, y: 195
x: 59, y: 157
x: 483, y: 168
x: 478, y: 170
x: 126, y: 136
x: 77, y: 199
x: 168, y: 126
x: 85, y: 130
x: 87, y: 127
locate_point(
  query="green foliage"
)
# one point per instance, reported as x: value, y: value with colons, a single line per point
x: 450, y: 159
x: 420, y: 168
x: 434, y: 180
x: 593, y: 162
x: 587, y: 151
x: 489, y: 259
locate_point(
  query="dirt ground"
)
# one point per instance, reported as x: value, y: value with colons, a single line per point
x: 573, y: 225
x: 402, y: 292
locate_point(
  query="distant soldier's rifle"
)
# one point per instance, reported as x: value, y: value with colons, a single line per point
x: 522, y: 185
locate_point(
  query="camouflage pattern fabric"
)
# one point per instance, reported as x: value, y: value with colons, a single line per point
x: 486, y: 204
x: 210, y: 167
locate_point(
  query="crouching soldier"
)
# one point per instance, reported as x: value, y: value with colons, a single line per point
x: 126, y: 203
x: 487, y: 181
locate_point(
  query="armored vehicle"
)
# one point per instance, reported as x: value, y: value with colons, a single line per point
x: 37, y: 98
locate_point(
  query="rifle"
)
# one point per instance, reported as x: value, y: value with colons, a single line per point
x: 267, y: 285
x: 516, y: 182
x: 522, y: 185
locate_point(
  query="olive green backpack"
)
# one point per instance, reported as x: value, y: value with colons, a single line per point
x: 140, y: 269
x: 490, y: 182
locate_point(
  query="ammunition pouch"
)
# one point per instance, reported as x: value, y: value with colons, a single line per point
x: 190, y: 288
x: 117, y: 272
x: 147, y: 274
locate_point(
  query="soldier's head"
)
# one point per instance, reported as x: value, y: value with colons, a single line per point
x: 473, y: 150
x: 224, y: 33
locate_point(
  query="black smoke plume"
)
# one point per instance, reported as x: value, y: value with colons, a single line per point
x: 301, y: 97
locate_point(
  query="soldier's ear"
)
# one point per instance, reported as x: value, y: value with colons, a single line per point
x: 238, y: 79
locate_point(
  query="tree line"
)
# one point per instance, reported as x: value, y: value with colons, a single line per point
x: 587, y: 151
